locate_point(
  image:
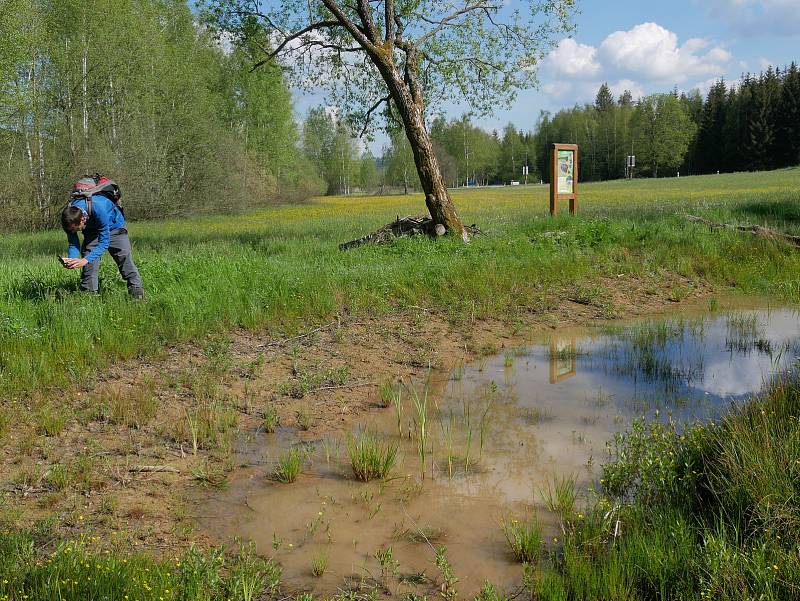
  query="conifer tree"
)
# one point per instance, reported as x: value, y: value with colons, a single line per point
x: 710, y: 142
x: 788, y: 118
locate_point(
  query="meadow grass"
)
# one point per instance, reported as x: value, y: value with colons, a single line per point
x: 280, y: 268
x: 74, y: 570
x: 718, y: 502
x: 709, y: 511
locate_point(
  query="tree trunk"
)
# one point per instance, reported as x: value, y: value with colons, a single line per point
x: 112, y: 113
x: 407, y: 97
x: 70, y: 110
x: 85, y: 103
x: 437, y: 199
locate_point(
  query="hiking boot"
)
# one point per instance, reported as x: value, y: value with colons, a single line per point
x: 136, y: 293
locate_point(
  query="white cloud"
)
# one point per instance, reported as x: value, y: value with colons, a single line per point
x: 651, y: 52
x: 617, y: 89
x: 647, y: 58
x: 705, y: 86
x: 574, y: 92
x: 759, y: 17
x: 581, y: 92
x: 573, y: 59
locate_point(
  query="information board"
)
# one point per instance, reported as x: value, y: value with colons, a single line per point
x: 564, y: 176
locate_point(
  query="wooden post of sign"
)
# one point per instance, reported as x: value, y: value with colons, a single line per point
x: 555, y: 193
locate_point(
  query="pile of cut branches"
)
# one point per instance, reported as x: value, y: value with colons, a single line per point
x: 756, y: 230
x: 402, y: 227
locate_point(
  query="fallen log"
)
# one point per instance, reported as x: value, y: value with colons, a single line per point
x: 756, y: 230
x: 404, y: 227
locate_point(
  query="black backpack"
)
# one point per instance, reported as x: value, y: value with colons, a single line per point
x: 90, y: 185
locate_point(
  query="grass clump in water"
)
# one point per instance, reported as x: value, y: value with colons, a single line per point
x: 560, y: 496
x: 289, y: 466
x: 386, y: 395
x: 524, y: 538
x: 270, y: 420
x: 319, y: 564
x: 370, y: 457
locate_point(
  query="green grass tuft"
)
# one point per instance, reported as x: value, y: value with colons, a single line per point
x: 370, y: 457
x: 290, y: 465
x: 524, y: 538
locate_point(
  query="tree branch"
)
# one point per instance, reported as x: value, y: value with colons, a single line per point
x: 365, y: 13
x: 445, y: 21
x: 358, y: 34
x: 293, y: 36
x: 260, y: 15
x: 509, y: 31
x: 372, y: 109
x: 388, y: 10
x: 466, y: 59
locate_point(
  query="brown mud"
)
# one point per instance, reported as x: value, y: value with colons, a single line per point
x: 83, y: 460
x: 501, y: 435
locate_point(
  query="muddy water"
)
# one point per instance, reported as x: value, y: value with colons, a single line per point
x: 499, y: 431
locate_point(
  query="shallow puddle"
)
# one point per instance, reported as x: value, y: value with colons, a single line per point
x: 498, y: 433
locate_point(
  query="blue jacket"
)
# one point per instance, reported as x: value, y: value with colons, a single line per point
x: 106, y: 217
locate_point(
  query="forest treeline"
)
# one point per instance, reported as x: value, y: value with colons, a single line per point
x: 143, y: 91
x: 140, y: 90
x: 753, y: 125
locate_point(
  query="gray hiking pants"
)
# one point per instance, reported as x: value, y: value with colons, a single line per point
x: 119, y: 247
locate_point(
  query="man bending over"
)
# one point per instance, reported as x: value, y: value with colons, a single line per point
x: 103, y: 225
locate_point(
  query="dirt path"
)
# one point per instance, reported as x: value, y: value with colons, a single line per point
x: 122, y: 457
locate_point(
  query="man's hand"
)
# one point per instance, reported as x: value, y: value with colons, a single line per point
x: 73, y: 263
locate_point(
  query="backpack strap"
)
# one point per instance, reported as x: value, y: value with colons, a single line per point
x: 88, y: 200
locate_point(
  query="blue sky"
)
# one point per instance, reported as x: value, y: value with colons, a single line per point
x: 650, y: 47
x: 654, y: 46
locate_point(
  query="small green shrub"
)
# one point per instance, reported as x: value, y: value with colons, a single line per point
x: 489, y: 592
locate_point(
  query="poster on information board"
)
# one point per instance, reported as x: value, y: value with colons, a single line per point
x: 566, y: 171
x: 564, y: 176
